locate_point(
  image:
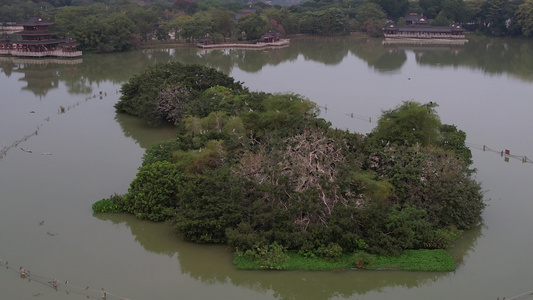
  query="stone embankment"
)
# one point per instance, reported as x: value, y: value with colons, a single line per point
x: 259, y: 45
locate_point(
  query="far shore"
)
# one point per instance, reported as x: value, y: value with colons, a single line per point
x: 258, y: 45
x: 232, y: 44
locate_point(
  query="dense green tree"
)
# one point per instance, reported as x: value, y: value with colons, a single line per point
x: 409, y: 124
x: 224, y: 23
x: 68, y: 18
x: 370, y: 11
x: 256, y: 169
x: 413, y: 123
x: 455, y: 10
x: 252, y: 26
x: 441, y: 19
x: 188, y: 7
x: 194, y: 28
x: 431, y: 8
x: 145, y: 19
x: 335, y: 21
x: 110, y: 34
x: 17, y: 10
x: 160, y: 92
x: 117, y: 34
x: 393, y: 8
x: 454, y: 139
x: 498, y: 16
x: 474, y: 11
x: 371, y: 18
x: 434, y: 180
x: 309, y: 23
x: 283, y: 17
x: 152, y: 194
x: 208, y: 205
x: 524, y: 14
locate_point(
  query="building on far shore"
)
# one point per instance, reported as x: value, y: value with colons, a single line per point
x: 10, y: 27
x: 270, y: 36
x: 419, y: 28
x: 36, y: 41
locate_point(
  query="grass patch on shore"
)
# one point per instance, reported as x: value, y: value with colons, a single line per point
x: 112, y: 204
x: 416, y: 260
x: 410, y: 260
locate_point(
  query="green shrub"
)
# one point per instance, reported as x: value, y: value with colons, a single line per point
x: 208, y: 206
x: 362, y: 259
x: 331, y: 252
x: 152, y: 194
x: 167, y: 92
x: 111, y: 204
x: 416, y: 260
x: 270, y: 257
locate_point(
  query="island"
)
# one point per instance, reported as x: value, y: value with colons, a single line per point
x: 262, y: 173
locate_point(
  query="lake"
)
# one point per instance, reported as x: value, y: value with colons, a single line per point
x: 63, y: 147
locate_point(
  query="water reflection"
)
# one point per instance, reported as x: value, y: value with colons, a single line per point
x: 212, y: 264
x: 43, y: 75
x: 492, y: 56
x: 143, y: 135
x: 466, y: 244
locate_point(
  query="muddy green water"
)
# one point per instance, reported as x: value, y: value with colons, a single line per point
x: 88, y: 152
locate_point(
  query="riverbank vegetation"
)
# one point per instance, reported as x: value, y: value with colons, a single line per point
x: 428, y: 260
x: 114, y: 26
x: 264, y: 174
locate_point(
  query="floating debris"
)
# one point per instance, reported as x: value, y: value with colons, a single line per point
x: 59, y: 285
x: 62, y: 109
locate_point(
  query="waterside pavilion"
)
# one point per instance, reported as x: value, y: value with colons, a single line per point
x: 36, y: 41
x: 421, y: 29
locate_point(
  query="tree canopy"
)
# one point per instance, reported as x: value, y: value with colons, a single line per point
x: 114, y: 26
x: 254, y: 169
x: 164, y: 92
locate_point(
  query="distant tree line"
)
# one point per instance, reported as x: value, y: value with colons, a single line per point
x: 254, y: 169
x: 120, y: 25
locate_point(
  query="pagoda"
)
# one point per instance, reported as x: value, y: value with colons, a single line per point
x: 36, y: 41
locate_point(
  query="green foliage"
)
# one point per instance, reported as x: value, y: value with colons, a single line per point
x: 97, y: 30
x: 161, y: 151
x: 208, y: 205
x: 252, y: 26
x: 152, y: 194
x: 390, y: 230
x: 19, y: 10
x: 167, y: 92
x: 122, y: 25
x: 270, y: 257
x: 410, y: 260
x: 370, y: 11
x: 112, y: 204
x: 377, y: 190
x: 330, y: 252
x: 454, y: 139
x: 442, y: 238
x: 262, y: 173
x: 416, y: 260
x: 441, y: 20
x: 524, y: 14
x: 433, y: 180
x: 197, y: 161
x: 394, y: 8
x: 409, y: 124
x: 362, y: 259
